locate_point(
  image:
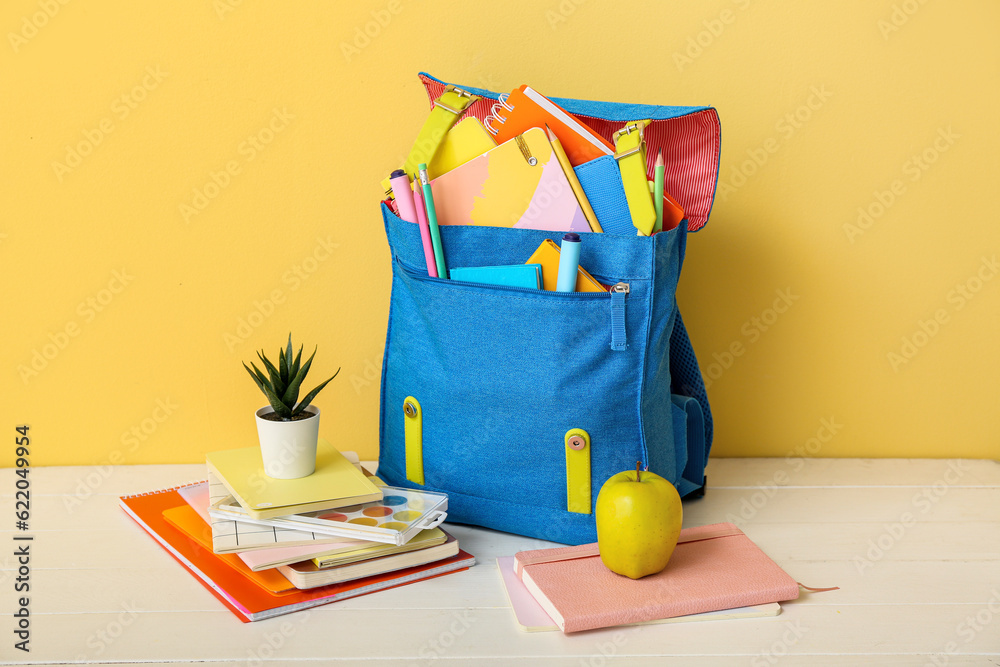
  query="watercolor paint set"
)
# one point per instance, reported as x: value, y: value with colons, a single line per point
x: 395, y: 519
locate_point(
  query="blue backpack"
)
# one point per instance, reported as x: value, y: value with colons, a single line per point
x: 520, y: 403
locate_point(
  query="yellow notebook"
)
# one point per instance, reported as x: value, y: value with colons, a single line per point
x: 423, y: 539
x: 468, y: 139
x: 336, y: 483
x: 548, y: 256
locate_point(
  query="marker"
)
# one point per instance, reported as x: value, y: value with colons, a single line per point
x: 569, y: 263
x: 574, y: 182
x: 399, y: 182
x: 432, y: 222
x: 425, y: 231
x: 658, y: 176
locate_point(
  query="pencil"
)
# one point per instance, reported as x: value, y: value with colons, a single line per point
x: 432, y: 222
x: 574, y: 182
x: 658, y: 175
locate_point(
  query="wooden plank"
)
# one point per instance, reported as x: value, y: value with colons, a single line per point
x: 169, y: 588
x: 743, y: 472
x: 801, y: 630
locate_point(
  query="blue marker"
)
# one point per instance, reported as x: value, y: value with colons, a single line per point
x: 569, y: 263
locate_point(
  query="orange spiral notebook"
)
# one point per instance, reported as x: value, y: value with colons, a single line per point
x: 713, y: 567
x: 525, y: 108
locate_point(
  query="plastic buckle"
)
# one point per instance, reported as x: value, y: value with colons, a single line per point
x: 461, y: 93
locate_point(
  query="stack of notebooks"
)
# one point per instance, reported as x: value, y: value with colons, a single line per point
x: 266, y: 547
x: 715, y: 573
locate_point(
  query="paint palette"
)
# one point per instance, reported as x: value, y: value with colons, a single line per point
x: 401, y: 514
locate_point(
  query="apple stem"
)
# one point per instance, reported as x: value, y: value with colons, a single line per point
x: 637, y: 465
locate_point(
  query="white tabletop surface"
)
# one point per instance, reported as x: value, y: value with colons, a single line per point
x: 914, y: 545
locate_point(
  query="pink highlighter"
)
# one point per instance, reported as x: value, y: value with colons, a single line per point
x: 425, y: 232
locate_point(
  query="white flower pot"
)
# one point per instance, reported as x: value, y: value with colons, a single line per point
x: 288, y: 448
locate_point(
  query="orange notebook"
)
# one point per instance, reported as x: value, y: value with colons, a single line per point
x: 247, y: 600
x: 525, y: 108
x: 188, y: 520
x: 713, y: 567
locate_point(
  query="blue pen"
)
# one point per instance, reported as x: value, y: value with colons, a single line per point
x: 569, y: 263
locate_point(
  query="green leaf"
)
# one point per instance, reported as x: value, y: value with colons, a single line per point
x: 283, y: 410
x: 311, y: 395
x: 295, y: 365
x: 256, y: 379
x: 288, y: 361
x: 292, y: 392
x: 276, y: 383
x: 283, y: 368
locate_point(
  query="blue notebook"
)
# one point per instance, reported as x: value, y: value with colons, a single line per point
x: 518, y: 275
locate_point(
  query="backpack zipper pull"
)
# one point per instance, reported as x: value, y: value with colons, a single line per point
x: 618, y: 339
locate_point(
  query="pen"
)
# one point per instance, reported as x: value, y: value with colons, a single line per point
x: 401, y: 192
x: 574, y: 182
x: 433, y: 222
x: 658, y: 176
x: 425, y: 231
x: 569, y: 263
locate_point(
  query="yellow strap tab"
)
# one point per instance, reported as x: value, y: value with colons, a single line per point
x: 630, y: 152
x: 447, y: 108
x: 578, y: 471
x: 413, y: 420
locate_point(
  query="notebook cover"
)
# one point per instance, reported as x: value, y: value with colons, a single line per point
x: 185, y: 518
x: 369, y: 550
x: 336, y: 483
x: 501, y: 188
x: 307, y: 575
x: 715, y: 567
x: 547, y: 255
x: 578, y: 142
x: 519, y: 275
x: 245, y: 599
x: 532, y: 618
x: 466, y: 140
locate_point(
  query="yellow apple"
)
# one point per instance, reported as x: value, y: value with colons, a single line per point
x: 638, y: 522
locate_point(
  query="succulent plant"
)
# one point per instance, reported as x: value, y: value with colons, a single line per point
x: 281, y: 385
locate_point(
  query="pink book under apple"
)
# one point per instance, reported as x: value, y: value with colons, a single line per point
x: 713, y: 567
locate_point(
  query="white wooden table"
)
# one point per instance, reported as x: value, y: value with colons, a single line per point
x: 913, y: 544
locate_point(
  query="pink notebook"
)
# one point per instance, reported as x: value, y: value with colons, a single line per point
x: 713, y: 567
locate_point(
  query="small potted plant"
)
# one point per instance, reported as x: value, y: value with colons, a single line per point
x: 288, y: 431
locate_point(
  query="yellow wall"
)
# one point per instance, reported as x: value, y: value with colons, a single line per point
x: 139, y: 301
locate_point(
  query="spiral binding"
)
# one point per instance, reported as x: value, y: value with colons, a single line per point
x: 495, y: 112
x: 164, y: 490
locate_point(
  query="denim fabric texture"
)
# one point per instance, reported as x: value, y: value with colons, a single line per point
x: 502, y: 374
